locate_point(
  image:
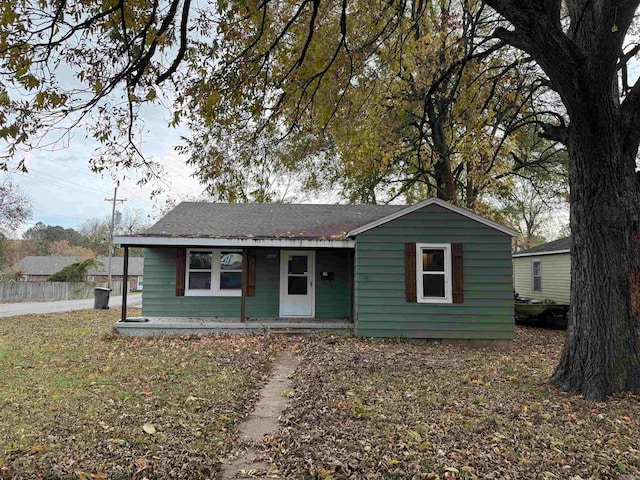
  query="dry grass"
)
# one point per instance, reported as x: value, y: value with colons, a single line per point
x: 78, y: 401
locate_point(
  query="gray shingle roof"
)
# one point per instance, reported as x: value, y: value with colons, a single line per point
x: 560, y: 244
x: 41, y: 265
x: 266, y: 220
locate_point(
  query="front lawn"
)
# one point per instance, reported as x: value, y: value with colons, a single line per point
x: 77, y: 401
x: 385, y: 410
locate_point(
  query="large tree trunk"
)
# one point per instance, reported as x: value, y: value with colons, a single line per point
x: 446, y: 189
x: 602, y: 354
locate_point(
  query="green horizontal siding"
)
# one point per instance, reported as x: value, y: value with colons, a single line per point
x: 159, y: 295
x: 428, y: 332
x: 332, y: 296
x: 266, y: 302
x: 448, y: 311
x: 556, y: 277
x: 487, y: 311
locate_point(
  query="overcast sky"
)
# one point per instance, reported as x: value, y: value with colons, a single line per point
x: 65, y: 192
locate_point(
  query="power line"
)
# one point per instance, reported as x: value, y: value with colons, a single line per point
x: 42, y: 212
x: 62, y: 164
x: 65, y: 183
x: 68, y: 186
x: 38, y: 175
x: 93, y: 176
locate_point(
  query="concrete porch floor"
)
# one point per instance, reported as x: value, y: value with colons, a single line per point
x: 141, y: 326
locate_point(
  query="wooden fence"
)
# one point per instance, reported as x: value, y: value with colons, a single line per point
x: 50, y: 291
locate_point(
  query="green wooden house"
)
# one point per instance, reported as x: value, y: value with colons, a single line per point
x: 544, y: 272
x: 429, y: 270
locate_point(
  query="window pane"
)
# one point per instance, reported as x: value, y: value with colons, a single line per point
x: 433, y: 285
x: 297, y: 286
x: 199, y: 281
x: 200, y: 261
x: 432, y: 260
x: 230, y: 261
x: 537, y: 268
x: 230, y: 280
x: 298, y: 264
x: 537, y: 284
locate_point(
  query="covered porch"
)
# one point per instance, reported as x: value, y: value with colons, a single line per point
x: 222, y: 287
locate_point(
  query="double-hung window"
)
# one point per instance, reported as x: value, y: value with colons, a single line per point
x: 213, y: 272
x: 536, y: 275
x: 433, y: 270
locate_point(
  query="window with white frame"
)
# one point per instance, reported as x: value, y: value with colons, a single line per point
x: 140, y: 283
x: 433, y: 269
x: 536, y: 275
x: 213, y: 272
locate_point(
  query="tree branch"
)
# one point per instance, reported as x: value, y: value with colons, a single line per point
x: 183, y: 44
x: 557, y: 133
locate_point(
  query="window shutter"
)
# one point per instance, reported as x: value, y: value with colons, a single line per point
x: 458, y: 273
x: 181, y: 270
x: 410, y: 272
x: 251, y: 273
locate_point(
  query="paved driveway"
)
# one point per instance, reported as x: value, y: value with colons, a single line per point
x: 11, y: 309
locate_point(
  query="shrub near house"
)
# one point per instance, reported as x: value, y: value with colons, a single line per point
x: 75, y: 272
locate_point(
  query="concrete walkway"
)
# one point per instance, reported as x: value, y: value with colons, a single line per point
x: 26, y: 308
x: 263, y: 421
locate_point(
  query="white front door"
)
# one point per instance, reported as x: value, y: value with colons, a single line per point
x: 297, y: 294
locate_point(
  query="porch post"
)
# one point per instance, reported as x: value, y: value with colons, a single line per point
x: 350, y: 277
x: 125, y: 283
x: 243, y: 290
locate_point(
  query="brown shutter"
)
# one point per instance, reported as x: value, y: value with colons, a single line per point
x: 181, y: 270
x: 251, y: 273
x: 458, y: 273
x: 410, y: 272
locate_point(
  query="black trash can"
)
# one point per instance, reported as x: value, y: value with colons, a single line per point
x: 101, y: 298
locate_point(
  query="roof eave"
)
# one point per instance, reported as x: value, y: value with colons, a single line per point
x: 537, y: 254
x: 159, y: 241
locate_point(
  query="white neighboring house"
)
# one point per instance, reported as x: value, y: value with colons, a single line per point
x: 544, y: 272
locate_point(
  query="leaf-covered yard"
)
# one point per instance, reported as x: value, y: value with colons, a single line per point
x: 365, y: 409
x: 78, y: 402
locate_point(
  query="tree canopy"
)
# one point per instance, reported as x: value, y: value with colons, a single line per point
x: 389, y: 101
x: 51, y: 233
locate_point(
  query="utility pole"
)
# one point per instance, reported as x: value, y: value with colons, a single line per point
x: 115, y: 200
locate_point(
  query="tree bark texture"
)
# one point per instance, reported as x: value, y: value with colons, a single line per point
x: 601, y: 355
